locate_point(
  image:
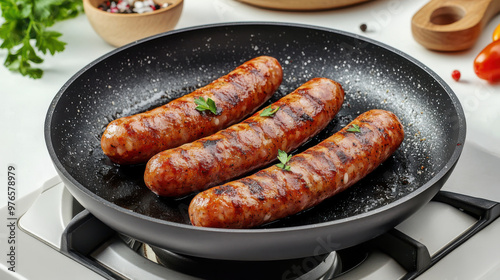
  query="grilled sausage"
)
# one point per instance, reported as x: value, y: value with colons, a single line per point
x: 248, y: 145
x: 316, y: 174
x: 135, y: 139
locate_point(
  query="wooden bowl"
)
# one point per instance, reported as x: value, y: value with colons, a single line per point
x: 301, y: 5
x: 121, y: 29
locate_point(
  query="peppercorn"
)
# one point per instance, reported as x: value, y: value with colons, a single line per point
x: 363, y: 27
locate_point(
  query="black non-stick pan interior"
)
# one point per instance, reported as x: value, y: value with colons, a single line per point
x: 154, y: 71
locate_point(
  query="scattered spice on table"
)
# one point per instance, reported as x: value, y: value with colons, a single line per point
x: 130, y: 6
x: 363, y: 27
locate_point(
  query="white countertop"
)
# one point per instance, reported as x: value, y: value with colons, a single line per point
x: 25, y: 101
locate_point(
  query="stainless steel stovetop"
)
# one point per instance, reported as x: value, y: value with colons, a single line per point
x: 448, y: 239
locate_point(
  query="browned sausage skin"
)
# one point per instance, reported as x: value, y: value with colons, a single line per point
x: 246, y: 146
x: 135, y: 139
x: 316, y: 174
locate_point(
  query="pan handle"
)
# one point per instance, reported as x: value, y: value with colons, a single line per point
x: 84, y: 234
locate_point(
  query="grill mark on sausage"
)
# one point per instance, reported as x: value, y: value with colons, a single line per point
x: 277, y: 183
x: 257, y: 127
x: 306, y: 117
x: 205, y: 164
x: 184, y: 154
x: 360, y: 136
x: 318, y: 171
x: 238, y: 81
x: 250, y: 67
x: 225, y: 97
x: 291, y: 112
x: 231, y: 138
x: 260, y: 132
x: 149, y: 127
x: 305, y: 164
x: 322, y: 157
x: 129, y: 129
x: 342, y: 156
x: 245, y: 140
x: 209, y: 144
x: 332, y: 147
x: 208, y: 158
x: 294, y: 179
x: 225, y: 190
x: 254, y: 187
x: 267, y: 128
x: 297, y: 113
x: 272, y: 176
x: 279, y: 118
x: 315, y: 101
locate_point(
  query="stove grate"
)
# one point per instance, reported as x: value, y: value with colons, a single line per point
x: 86, y: 234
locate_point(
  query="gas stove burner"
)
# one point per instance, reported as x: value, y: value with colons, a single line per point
x: 315, y: 267
x: 323, y: 267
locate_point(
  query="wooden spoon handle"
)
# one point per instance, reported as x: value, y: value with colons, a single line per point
x: 452, y: 25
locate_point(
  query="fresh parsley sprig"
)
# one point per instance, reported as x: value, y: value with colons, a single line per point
x: 354, y: 128
x: 204, y: 105
x: 284, y: 159
x: 269, y: 111
x: 24, y: 32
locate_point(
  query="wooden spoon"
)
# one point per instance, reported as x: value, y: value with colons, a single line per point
x: 452, y: 25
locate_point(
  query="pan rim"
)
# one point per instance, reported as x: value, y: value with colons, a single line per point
x: 438, y: 176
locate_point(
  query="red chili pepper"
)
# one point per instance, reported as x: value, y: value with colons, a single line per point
x: 487, y: 63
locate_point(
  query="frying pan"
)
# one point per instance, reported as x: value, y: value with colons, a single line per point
x: 153, y: 71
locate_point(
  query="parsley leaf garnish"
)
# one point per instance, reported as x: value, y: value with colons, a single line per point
x: 269, y: 111
x: 24, y: 32
x: 354, y: 128
x: 203, y: 105
x: 284, y: 159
